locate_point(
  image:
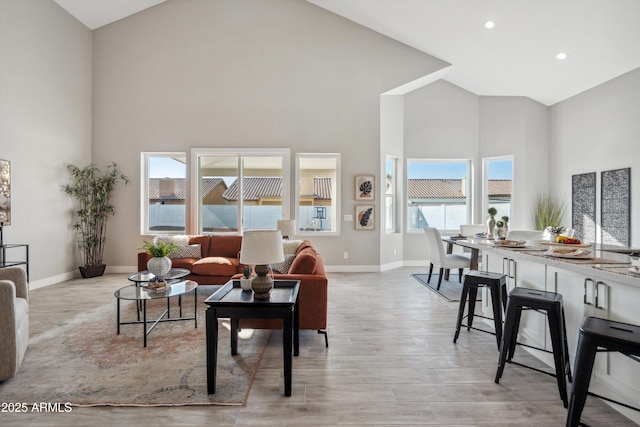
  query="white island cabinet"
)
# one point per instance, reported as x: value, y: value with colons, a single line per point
x: 602, y: 290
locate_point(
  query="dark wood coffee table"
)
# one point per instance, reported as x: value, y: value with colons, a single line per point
x: 230, y: 301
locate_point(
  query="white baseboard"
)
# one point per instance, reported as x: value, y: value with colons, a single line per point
x: 36, y: 284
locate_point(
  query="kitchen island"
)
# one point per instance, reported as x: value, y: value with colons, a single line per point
x: 602, y: 286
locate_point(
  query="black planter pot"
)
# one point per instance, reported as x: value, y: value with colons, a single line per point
x: 89, y: 271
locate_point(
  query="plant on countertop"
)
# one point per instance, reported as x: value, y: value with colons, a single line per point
x: 505, y: 219
x: 547, y: 211
x: 159, y: 249
x: 500, y: 224
x: 556, y: 230
x: 492, y: 211
x: 92, y: 189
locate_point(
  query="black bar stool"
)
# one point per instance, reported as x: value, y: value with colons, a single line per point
x: 498, y: 287
x: 611, y: 336
x: 530, y: 299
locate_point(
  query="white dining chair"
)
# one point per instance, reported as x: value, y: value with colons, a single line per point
x: 470, y: 230
x: 437, y: 256
x: 531, y: 236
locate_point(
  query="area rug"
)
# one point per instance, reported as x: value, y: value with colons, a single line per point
x: 85, y: 363
x: 450, y: 290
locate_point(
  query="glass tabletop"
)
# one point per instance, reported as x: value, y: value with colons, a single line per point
x: 173, y: 274
x: 134, y: 292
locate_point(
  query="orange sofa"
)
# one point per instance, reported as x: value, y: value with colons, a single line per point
x: 219, y: 262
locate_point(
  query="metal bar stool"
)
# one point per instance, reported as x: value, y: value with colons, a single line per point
x: 610, y: 336
x: 530, y: 299
x: 497, y: 286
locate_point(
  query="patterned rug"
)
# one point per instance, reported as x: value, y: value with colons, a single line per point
x: 85, y: 362
x: 450, y: 290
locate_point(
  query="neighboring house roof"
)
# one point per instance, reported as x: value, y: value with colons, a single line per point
x: 257, y: 187
x: 418, y: 188
x: 435, y: 189
x: 180, y: 188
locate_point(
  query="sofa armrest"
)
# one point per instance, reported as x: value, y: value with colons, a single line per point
x: 19, y: 278
x: 143, y: 258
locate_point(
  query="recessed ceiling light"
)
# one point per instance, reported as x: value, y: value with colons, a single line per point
x: 489, y: 24
x: 562, y: 55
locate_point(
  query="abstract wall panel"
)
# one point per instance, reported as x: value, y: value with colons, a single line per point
x: 615, y: 207
x: 583, y: 206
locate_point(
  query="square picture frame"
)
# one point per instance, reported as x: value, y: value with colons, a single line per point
x: 365, y: 218
x: 365, y: 188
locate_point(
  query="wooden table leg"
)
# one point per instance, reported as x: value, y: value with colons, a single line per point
x: 287, y: 350
x: 475, y: 253
x: 449, y: 251
x: 212, y: 350
x: 235, y: 324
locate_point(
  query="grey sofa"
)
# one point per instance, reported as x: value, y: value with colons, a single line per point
x: 14, y: 320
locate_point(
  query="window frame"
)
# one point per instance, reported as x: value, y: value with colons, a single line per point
x: 392, y: 228
x: 336, y: 199
x: 144, y: 190
x: 485, y: 181
x: 469, y: 188
x: 194, y: 180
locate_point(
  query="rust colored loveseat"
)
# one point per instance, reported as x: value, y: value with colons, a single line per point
x: 218, y: 262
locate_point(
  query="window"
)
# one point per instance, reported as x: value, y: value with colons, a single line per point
x: 438, y: 194
x: 498, y: 184
x: 164, y: 190
x: 317, y: 193
x: 391, y: 166
x: 239, y: 189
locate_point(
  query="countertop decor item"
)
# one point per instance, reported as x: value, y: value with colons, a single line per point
x: 491, y: 222
x: 92, y: 189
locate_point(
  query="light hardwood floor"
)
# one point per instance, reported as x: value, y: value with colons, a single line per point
x: 391, y: 361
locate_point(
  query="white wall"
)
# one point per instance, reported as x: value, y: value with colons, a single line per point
x: 595, y: 131
x: 441, y: 122
x: 45, y: 123
x: 255, y: 73
x: 518, y: 126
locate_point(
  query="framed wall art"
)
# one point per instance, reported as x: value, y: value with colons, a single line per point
x: 5, y: 192
x: 583, y: 206
x: 365, y: 188
x: 615, y: 207
x: 365, y: 217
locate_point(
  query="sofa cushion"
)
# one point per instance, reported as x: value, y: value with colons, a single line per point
x: 215, y: 266
x: 203, y: 241
x: 304, y: 262
x: 304, y: 245
x: 183, y: 263
x: 284, y: 266
x: 225, y: 246
x: 189, y: 251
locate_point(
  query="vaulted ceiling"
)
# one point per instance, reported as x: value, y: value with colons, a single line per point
x: 517, y: 57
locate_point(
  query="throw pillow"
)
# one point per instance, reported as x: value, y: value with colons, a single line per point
x: 188, y: 251
x: 176, y: 239
x: 290, y: 247
x: 284, y: 266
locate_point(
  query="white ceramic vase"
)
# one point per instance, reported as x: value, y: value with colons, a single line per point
x: 491, y: 225
x: 159, y: 266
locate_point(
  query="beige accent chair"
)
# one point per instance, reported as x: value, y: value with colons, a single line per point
x: 14, y: 320
x: 437, y: 256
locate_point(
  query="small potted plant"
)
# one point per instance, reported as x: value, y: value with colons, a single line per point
x: 160, y: 263
x: 245, y: 281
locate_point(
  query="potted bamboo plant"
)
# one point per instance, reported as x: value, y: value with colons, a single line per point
x: 92, y: 189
